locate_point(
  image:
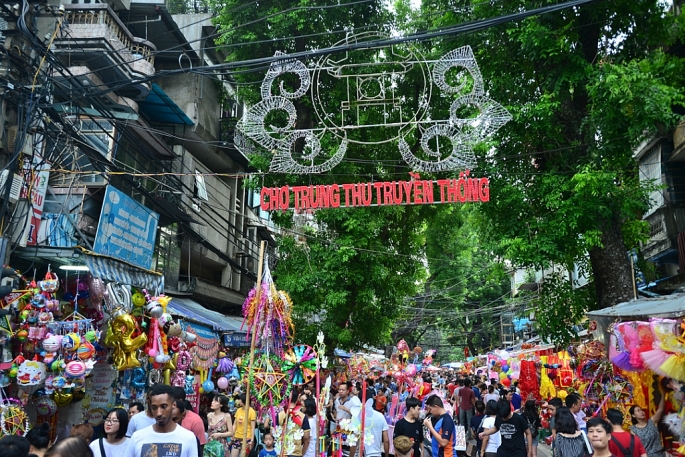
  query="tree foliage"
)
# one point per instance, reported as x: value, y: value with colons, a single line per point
x: 584, y: 86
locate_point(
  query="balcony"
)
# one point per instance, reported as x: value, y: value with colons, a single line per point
x: 96, y: 35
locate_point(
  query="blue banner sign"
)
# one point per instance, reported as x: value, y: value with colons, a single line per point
x: 127, y: 230
x: 236, y: 340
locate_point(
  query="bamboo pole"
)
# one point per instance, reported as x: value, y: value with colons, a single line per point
x: 246, y: 417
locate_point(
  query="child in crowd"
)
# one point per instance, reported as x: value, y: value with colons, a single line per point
x: 268, y: 449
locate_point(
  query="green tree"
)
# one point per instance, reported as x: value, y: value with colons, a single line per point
x: 466, y: 290
x: 585, y: 86
x: 347, y: 270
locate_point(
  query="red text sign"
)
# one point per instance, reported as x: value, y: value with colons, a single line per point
x: 389, y: 193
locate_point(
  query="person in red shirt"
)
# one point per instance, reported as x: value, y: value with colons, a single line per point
x: 191, y: 421
x: 623, y: 444
x: 467, y: 399
x: 451, y: 386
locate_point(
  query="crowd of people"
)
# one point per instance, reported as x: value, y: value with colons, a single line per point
x: 504, y: 425
x: 497, y: 419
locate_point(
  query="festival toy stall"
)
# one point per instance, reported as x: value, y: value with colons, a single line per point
x: 74, y: 346
x: 640, y: 356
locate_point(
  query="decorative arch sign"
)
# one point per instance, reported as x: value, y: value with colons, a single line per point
x: 363, y: 97
x: 415, y: 191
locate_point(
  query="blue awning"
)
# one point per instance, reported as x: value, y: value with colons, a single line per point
x: 161, y: 108
x: 193, y: 311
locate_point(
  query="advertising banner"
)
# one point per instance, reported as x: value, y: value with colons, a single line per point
x: 127, y: 230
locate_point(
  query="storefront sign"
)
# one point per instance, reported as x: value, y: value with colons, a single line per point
x: 391, y: 193
x: 36, y: 173
x: 99, y: 388
x: 201, y: 330
x: 236, y: 340
x: 127, y: 230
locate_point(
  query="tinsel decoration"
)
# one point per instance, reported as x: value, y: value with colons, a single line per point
x: 271, y: 315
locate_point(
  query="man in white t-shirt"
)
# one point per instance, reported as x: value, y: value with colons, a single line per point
x: 376, y: 425
x: 164, y: 438
x: 141, y: 420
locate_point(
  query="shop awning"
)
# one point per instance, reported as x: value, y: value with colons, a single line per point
x: 341, y: 353
x: 160, y: 107
x: 195, y: 312
x: 109, y: 269
x: 663, y: 306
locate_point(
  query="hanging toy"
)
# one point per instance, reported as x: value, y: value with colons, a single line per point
x: 183, y: 361
x: 225, y: 364
x: 138, y: 378
x: 207, y: 386
x: 119, y: 336
x: 189, y: 385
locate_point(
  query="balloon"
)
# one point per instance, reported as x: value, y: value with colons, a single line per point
x: 119, y: 333
x: 97, y: 289
x: 173, y: 329
x: 208, y: 386
x: 190, y: 337
x: 222, y: 382
x: 154, y: 309
x: 52, y: 343
x: 514, y: 375
x: 45, y: 406
x: 410, y: 370
x: 505, y: 368
x: 502, y: 376
x: 138, y: 300
x: 506, y: 382
x: 62, y: 398
x: 163, y: 319
x: 75, y: 369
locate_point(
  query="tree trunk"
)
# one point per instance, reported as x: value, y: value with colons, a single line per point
x: 611, y: 267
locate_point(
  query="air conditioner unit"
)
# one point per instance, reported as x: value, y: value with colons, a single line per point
x: 16, y: 186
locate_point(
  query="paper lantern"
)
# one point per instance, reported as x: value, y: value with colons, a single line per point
x: 85, y: 351
x: 75, y: 369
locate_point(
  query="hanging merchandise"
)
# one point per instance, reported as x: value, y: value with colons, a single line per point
x: 13, y: 418
x: 120, y: 337
x: 528, y: 380
x: 204, y: 351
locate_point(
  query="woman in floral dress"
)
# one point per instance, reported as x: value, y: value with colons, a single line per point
x: 219, y: 422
